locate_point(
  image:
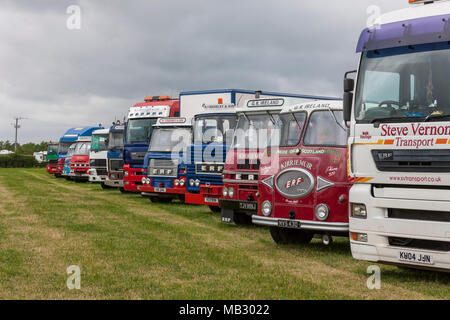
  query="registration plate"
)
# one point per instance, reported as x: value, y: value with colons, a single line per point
x: 247, y: 206
x: 160, y: 190
x: 289, y: 224
x: 415, y: 257
x: 212, y: 200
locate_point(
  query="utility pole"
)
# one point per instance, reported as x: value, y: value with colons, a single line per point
x: 16, y: 126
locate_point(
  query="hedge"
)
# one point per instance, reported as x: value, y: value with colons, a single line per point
x: 19, y: 161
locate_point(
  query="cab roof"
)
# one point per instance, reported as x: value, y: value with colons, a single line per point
x: 100, y: 131
x: 418, y: 24
x: 72, y: 134
x: 313, y: 106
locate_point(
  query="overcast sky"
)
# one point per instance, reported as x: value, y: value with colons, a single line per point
x: 125, y: 50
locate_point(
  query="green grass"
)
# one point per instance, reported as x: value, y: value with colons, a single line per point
x: 128, y: 248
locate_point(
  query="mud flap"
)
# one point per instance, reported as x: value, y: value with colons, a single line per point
x: 227, y: 215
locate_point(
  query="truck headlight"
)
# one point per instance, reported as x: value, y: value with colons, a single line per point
x: 359, y: 211
x: 225, y: 192
x: 144, y: 180
x: 126, y: 173
x: 231, y: 192
x: 177, y: 182
x: 266, y: 208
x: 182, y: 182
x: 148, y: 180
x: 191, y: 182
x: 197, y: 183
x: 322, y: 212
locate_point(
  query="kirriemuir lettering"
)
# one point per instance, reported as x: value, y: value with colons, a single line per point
x: 296, y: 162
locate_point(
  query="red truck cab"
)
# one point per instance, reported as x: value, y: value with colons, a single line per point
x: 138, y: 132
x: 79, y: 164
x: 256, y: 121
x: 303, y: 184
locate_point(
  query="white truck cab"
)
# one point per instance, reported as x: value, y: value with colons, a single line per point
x: 98, y: 156
x: 399, y: 145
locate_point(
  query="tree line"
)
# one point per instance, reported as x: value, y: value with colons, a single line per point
x: 25, y: 149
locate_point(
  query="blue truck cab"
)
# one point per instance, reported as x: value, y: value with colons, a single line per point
x: 65, y: 142
x: 114, y: 178
x: 166, y: 161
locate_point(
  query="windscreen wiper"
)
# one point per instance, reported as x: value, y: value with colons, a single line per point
x: 402, y: 119
x: 436, y: 116
x: 335, y: 119
x: 271, y: 117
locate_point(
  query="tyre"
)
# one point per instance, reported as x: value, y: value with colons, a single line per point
x: 154, y: 200
x: 104, y: 186
x: 215, y: 209
x: 122, y: 190
x: 290, y: 236
x: 241, y: 219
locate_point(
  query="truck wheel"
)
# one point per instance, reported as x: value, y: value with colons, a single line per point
x: 165, y: 200
x: 215, y: 209
x: 154, y: 199
x: 290, y: 236
x: 241, y: 219
x: 122, y: 190
x: 104, y: 186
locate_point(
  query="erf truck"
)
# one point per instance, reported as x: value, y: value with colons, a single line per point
x: 79, y: 164
x: 115, y: 156
x: 166, y: 160
x: 52, y: 158
x: 98, y: 156
x: 69, y: 138
x: 303, y: 184
x: 256, y: 122
x: 138, y: 131
x: 399, y: 145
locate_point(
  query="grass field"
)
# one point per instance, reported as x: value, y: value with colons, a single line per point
x: 128, y: 248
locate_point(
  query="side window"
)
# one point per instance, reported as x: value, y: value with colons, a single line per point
x: 322, y: 129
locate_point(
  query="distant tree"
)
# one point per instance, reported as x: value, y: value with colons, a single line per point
x: 25, y: 149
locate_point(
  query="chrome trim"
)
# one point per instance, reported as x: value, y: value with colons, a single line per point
x: 240, y: 181
x: 307, y: 225
x: 323, y: 184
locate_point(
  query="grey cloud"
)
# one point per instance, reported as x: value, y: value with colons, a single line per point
x: 129, y: 49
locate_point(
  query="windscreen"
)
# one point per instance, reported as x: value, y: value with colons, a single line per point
x: 99, y: 142
x: 167, y: 140
x: 407, y: 83
x: 115, y: 140
x: 326, y: 128
x: 217, y: 128
x: 71, y: 149
x: 63, y: 147
x: 82, y: 149
x: 290, y: 129
x: 139, y: 130
x: 254, y: 131
x: 52, y: 149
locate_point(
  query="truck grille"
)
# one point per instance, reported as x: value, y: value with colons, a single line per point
x: 419, y: 215
x: 101, y: 172
x: 209, y: 168
x: 138, y: 155
x: 412, y: 160
x: 248, y: 164
x: 163, y: 167
x: 115, y: 164
x: 98, y: 163
x: 420, y: 244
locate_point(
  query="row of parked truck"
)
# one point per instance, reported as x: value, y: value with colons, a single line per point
x: 373, y: 166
